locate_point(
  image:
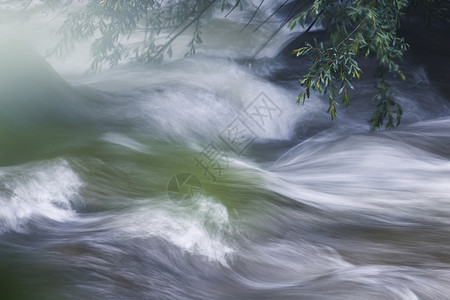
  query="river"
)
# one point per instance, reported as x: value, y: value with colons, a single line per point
x: 201, y: 178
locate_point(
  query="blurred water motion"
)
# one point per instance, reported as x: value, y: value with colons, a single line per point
x: 308, y: 209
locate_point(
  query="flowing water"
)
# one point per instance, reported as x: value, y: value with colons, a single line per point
x: 202, y: 179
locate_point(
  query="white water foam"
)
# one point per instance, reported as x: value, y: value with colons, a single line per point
x: 46, y: 189
x: 373, y: 174
x: 198, y: 231
x: 218, y: 91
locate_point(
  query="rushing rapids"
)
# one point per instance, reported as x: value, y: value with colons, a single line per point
x: 134, y: 183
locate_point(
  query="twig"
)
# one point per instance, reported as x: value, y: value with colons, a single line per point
x: 313, y: 22
x: 264, y: 22
x: 163, y: 48
x: 234, y: 7
x: 254, y: 14
x: 185, y: 19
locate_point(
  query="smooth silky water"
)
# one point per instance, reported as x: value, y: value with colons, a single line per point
x: 308, y: 209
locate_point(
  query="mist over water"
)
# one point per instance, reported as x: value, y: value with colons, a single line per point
x: 104, y: 193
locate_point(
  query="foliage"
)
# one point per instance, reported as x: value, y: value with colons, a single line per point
x: 357, y: 29
x: 366, y: 28
x: 387, y: 107
x: 112, y: 23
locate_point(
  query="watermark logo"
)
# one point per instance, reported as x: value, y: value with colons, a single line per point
x: 213, y: 161
x: 239, y: 135
x: 184, y: 188
x: 262, y: 110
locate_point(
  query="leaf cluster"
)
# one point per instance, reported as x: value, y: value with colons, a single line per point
x: 356, y: 29
x: 142, y: 30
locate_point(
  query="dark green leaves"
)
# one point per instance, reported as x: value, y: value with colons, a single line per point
x: 356, y: 29
x: 331, y: 73
x: 387, y: 109
x: 154, y: 24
